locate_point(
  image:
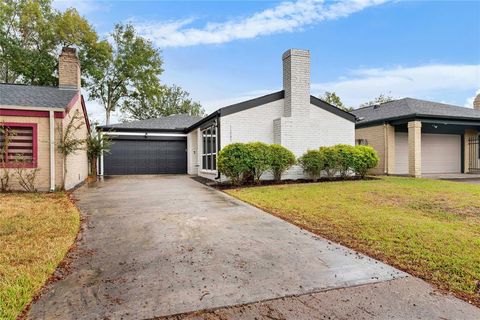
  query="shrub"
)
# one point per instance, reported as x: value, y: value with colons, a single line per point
x: 365, y: 158
x: 346, y: 155
x: 312, y: 163
x: 234, y: 161
x: 330, y: 160
x: 281, y: 160
x: 258, y: 159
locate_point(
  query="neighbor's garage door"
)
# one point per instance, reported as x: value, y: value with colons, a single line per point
x: 146, y: 157
x: 441, y: 153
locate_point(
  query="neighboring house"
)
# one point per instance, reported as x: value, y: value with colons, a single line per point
x: 181, y: 144
x: 36, y: 117
x: 415, y: 137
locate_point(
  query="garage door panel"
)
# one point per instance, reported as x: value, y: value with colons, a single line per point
x: 146, y: 157
x: 441, y: 153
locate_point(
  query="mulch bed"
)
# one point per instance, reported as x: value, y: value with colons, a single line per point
x: 227, y: 185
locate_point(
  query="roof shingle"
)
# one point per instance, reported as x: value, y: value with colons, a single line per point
x: 174, y: 122
x: 35, y: 96
x: 407, y: 107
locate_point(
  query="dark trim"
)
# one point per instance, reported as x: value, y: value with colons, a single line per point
x: 219, y: 137
x: 420, y: 117
x: 201, y: 122
x: 234, y: 108
x: 150, y: 138
x: 113, y: 129
x: 462, y: 154
x: 332, y: 109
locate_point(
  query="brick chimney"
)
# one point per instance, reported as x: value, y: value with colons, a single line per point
x: 476, y: 102
x: 296, y: 83
x: 69, y: 69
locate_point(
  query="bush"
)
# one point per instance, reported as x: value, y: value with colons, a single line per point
x: 331, y: 160
x: 259, y: 159
x: 313, y: 163
x: 282, y: 159
x: 233, y: 161
x: 345, y: 155
x: 365, y: 158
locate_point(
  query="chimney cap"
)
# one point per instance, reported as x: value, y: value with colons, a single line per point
x: 69, y: 51
x: 295, y: 52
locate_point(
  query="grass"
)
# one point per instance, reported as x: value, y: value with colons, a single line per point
x: 36, y: 231
x: 428, y: 228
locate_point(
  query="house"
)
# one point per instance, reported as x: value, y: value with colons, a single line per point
x: 35, y: 118
x: 182, y: 144
x: 415, y: 137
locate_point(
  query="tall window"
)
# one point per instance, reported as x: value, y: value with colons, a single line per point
x: 18, y: 145
x: 209, y: 153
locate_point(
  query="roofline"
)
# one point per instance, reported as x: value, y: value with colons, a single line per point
x: 330, y: 108
x: 136, y: 129
x: 414, y: 116
x: 197, y: 124
x: 16, y: 107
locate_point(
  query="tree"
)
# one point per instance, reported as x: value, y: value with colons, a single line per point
x: 334, y: 100
x: 31, y: 36
x: 154, y: 102
x: 382, y: 98
x: 132, y: 63
x: 68, y: 142
x: 97, y: 144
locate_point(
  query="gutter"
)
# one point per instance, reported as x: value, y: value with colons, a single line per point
x: 52, y: 149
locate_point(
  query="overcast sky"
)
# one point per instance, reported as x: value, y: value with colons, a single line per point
x: 224, y: 52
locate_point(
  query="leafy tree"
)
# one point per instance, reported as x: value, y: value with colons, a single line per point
x: 132, y: 64
x: 334, y: 100
x: 149, y: 102
x: 31, y: 36
x: 382, y: 98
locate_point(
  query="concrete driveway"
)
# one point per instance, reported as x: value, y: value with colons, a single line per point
x: 162, y: 245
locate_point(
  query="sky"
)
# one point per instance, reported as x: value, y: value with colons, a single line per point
x: 223, y: 52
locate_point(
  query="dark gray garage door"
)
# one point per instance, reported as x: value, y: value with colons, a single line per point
x: 146, y: 157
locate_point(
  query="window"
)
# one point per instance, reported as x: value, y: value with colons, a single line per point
x: 18, y: 144
x: 362, y: 142
x: 209, y: 150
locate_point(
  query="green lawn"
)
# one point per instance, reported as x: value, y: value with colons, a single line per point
x: 36, y: 231
x: 428, y: 228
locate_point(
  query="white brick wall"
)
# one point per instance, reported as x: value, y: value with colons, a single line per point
x: 266, y: 124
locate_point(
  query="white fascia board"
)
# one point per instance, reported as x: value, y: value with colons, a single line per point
x: 150, y: 134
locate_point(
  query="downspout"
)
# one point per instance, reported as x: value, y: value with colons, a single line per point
x: 101, y: 154
x: 218, y: 145
x: 385, y: 133
x: 52, y: 150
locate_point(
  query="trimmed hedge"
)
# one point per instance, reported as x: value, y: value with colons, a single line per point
x: 340, y: 159
x: 247, y: 162
x: 281, y: 160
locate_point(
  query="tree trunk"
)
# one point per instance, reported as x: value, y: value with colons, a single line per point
x: 93, y: 163
x: 107, y: 118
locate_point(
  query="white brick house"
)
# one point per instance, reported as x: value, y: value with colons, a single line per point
x: 290, y: 117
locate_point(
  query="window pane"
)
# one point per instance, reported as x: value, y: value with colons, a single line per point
x: 204, y: 162
x: 214, y: 164
x: 20, y: 144
x: 209, y: 162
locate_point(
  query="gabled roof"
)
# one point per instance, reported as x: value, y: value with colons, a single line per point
x: 412, y: 108
x: 177, y: 122
x: 35, y: 96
